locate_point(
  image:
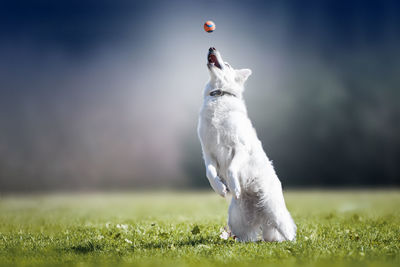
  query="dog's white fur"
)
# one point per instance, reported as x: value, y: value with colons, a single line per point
x: 236, y: 162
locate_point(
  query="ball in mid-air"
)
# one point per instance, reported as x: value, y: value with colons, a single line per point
x: 209, y: 26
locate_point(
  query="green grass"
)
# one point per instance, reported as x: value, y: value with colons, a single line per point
x: 353, y: 228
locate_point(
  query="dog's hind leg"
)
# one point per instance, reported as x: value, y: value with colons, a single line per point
x: 238, y: 156
x: 286, y: 226
x: 239, y: 223
x: 271, y: 234
x: 279, y: 226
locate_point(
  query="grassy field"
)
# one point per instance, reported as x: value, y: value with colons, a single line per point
x: 353, y: 228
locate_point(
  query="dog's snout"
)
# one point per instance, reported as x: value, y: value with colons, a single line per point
x: 212, y: 49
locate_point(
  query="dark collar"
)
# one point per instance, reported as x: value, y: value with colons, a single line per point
x: 220, y: 92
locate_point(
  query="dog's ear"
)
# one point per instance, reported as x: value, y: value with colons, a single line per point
x: 242, y: 75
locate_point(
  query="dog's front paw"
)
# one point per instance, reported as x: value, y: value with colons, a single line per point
x: 237, y: 192
x: 221, y: 188
x: 223, y: 191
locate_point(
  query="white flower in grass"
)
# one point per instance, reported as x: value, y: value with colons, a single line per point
x: 125, y: 226
x: 122, y: 226
x: 225, y: 233
x: 128, y: 241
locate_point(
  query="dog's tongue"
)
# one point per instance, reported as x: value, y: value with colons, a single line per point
x: 213, y: 59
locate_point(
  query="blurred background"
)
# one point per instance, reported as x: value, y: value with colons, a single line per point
x: 104, y: 95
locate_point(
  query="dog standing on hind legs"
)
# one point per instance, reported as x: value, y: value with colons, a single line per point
x: 235, y: 160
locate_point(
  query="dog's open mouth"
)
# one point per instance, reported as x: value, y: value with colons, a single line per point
x: 212, y: 58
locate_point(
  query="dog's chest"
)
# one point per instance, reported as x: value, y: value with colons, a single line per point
x: 213, y: 123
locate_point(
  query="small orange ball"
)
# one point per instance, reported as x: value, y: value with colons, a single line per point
x: 209, y: 26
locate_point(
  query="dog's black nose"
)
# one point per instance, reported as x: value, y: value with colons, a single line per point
x: 212, y: 49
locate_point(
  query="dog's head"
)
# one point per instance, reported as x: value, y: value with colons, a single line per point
x: 223, y: 76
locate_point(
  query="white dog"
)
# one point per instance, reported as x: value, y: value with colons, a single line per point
x: 235, y: 160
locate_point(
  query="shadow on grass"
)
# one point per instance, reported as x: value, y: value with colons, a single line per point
x: 90, y: 246
x: 193, y: 242
x: 87, y: 247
